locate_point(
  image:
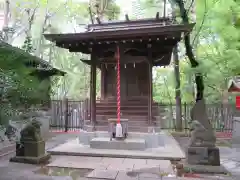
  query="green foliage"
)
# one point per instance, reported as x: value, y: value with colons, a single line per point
x: 27, y: 45
x: 19, y: 89
x: 217, y: 38
x: 150, y: 7
x: 218, y: 50
x: 216, y: 46
x: 112, y: 11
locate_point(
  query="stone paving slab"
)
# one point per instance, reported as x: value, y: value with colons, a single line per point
x: 163, y: 166
x: 149, y: 175
x: 111, y: 160
x: 135, y: 161
x: 79, y: 165
x: 118, y: 164
x: 120, y: 167
x: 124, y: 176
x: 103, y: 174
x: 19, y: 176
x: 15, y: 171
x: 145, y: 167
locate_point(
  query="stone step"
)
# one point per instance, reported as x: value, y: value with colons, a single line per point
x: 126, y: 144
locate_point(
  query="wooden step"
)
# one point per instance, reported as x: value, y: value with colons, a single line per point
x: 125, y: 107
x: 133, y: 118
x: 130, y: 109
x: 130, y: 128
x: 133, y: 123
x: 137, y: 103
x: 125, y: 113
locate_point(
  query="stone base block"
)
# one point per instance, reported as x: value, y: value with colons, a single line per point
x: 203, y: 156
x: 34, y: 149
x: 125, y: 144
x: 205, y: 169
x: 31, y: 160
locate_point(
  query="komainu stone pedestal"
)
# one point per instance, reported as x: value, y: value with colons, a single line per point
x: 32, y: 153
x: 34, y: 149
x: 203, y: 156
x: 31, y: 147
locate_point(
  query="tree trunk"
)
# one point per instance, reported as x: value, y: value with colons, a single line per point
x: 189, y: 52
x: 177, y: 78
x: 6, y: 20
x: 177, y: 90
x: 198, y: 111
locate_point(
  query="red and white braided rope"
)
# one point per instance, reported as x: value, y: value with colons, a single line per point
x: 118, y: 87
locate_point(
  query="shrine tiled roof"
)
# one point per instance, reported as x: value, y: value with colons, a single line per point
x: 120, y: 30
x: 158, y: 34
x: 129, y: 25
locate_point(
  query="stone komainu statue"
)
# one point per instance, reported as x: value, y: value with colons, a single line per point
x: 31, y: 132
x: 200, y: 136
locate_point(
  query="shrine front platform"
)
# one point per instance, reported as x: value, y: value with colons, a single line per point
x: 157, y: 146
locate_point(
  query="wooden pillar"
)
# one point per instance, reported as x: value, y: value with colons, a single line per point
x: 103, y: 81
x: 93, y: 91
x: 150, y: 85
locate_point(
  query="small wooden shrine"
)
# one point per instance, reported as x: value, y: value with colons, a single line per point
x: 143, y: 44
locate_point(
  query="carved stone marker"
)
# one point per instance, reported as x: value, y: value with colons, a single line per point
x: 31, y: 147
x: 202, y: 149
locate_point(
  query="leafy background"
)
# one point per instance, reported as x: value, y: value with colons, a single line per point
x: 215, y: 39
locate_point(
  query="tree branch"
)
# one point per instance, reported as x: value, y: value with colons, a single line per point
x: 189, y: 52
